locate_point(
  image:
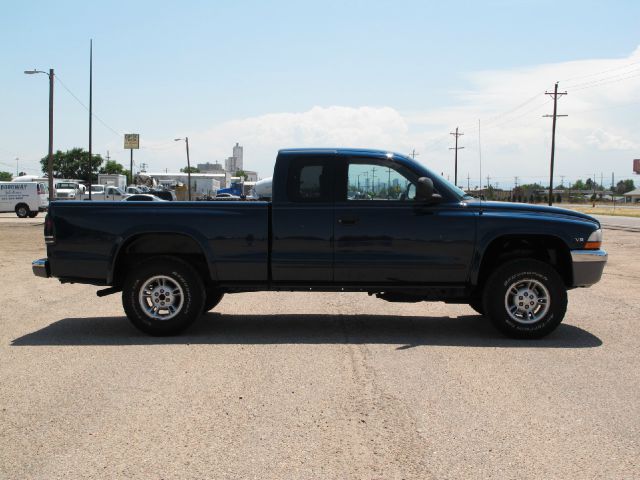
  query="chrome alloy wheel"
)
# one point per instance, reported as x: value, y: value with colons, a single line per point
x: 161, y: 298
x: 527, y: 301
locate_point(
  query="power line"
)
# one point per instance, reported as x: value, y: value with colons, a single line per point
x: 600, y: 73
x: 57, y: 78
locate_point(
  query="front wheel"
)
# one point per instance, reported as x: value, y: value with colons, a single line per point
x: 525, y: 299
x: 33, y: 214
x: 163, y: 295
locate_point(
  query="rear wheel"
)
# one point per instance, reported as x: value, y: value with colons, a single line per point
x: 163, y: 295
x: 22, y: 210
x: 525, y: 299
x: 33, y: 214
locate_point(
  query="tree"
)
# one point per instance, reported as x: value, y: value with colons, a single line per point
x: 243, y: 174
x: 73, y: 164
x: 624, y: 186
x: 5, y: 177
x: 190, y: 170
x: 588, y: 184
x: 114, y: 168
x: 579, y: 185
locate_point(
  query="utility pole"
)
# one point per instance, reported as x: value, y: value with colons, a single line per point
x: 108, y: 157
x: 414, y: 154
x: 562, y: 180
x: 373, y: 181
x: 17, y: 168
x: 555, y: 115
x: 90, y: 110
x: 468, y: 182
x: 456, y: 148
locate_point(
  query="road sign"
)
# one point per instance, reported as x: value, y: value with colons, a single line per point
x: 132, y: 140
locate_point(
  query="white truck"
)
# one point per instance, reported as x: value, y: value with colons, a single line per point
x: 113, y: 180
x: 106, y: 192
x: 24, y: 198
x: 69, y: 190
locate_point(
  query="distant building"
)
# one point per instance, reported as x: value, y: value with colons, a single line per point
x: 235, y: 162
x: 210, y: 168
x: 632, y: 196
x: 251, y: 176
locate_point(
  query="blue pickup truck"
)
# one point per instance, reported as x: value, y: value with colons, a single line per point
x: 339, y: 220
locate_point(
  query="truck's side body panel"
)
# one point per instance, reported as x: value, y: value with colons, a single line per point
x: 90, y: 235
x: 399, y: 242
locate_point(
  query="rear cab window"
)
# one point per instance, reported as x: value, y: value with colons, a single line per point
x: 310, y: 180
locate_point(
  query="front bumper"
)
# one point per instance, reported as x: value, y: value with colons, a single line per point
x: 587, y: 266
x: 41, y: 268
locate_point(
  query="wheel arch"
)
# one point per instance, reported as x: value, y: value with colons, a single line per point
x: 141, y: 245
x: 544, y: 247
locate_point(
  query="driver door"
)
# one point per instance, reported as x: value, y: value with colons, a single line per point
x: 384, y: 236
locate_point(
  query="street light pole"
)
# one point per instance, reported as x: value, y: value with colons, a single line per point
x: 50, y: 154
x: 186, y: 141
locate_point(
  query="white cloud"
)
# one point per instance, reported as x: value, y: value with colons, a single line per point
x: 603, y: 140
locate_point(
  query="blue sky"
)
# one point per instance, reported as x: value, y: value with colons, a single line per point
x: 396, y: 75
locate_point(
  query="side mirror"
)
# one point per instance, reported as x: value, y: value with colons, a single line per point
x: 424, y: 189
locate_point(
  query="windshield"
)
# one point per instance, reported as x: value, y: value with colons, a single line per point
x: 69, y: 186
x: 456, y: 189
x: 440, y: 182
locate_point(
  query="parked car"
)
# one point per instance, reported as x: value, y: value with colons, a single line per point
x: 511, y: 262
x: 164, y: 194
x: 143, y: 197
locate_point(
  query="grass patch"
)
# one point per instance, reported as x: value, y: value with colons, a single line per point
x: 623, y: 211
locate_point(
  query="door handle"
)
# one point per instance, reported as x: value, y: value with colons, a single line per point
x: 348, y: 220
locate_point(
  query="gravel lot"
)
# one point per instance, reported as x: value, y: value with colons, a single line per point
x: 283, y: 385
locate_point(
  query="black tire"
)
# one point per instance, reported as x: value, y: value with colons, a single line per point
x: 163, y: 295
x: 22, y: 210
x: 535, y: 294
x: 213, y: 297
x: 33, y: 214
x: 477, y: 305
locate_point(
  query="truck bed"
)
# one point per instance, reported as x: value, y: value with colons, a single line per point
x: 90, y: 237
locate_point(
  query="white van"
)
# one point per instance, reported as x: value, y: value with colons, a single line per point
x: 24, y: 198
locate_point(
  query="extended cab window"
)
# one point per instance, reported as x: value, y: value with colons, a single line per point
x: 310, y: 181
x: 377, y: 181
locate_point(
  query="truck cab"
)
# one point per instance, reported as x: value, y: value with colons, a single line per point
x: 107, y: 193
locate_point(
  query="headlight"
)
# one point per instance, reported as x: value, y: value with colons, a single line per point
x: 594, y: 241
